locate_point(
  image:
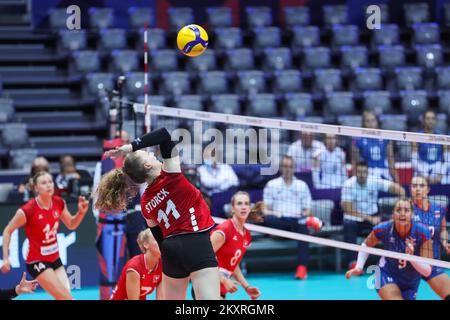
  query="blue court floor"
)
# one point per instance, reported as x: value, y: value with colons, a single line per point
x: 276, y: 286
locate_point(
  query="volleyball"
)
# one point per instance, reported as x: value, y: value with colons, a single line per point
x: 192, y: 40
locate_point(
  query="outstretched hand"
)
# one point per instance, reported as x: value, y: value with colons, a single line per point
x: 353, y: 272
x: 26, y: 286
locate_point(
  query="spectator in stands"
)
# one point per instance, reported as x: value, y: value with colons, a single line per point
x: 304, y: 150
x: 216, y: 176
x: 377, y: 153
x: 287, y: 202
x: 359, y: 202
x: 67, y: 173
x: 428, y: 159
x: 38, y: 164
x: 329, y: 165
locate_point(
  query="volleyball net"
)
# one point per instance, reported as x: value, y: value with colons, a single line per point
x: 348, y: 177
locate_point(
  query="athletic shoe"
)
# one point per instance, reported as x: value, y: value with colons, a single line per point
x: 302, y: 273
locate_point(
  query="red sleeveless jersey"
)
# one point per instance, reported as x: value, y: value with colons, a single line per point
x: 41, y: 229
x: 176, y: 205
x: 149, y: 279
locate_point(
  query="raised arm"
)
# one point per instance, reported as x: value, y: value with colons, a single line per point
x: 73, y: 221
x: 391, y: 162
x: 16, y: 222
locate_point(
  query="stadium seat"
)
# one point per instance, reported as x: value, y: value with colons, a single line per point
x: 6, y: 109
x: 398, y: 122
x: 426, y: 33
x: 100, y: 18
x: 414, y: 103
x: 15, y: 135
x: 286, y: 81
x: 134, y: 84
x: 157, y: 36
x: 137, y: 17
x: 97, y: 83
x: 277, y: 58
x: 124, y: 61
x: 350, y: 120
x: 213, y: 82
x: 153, y: 100
x: 228, y: 38
x: 204, y: 62
x: 298, y: 104
x: 163, y: 60
x: 327, y: 80
x: 296, y: 16
x: 379, y: 101
x: 444, y: 101
x: 305, y: 36
x: 408, y: 78
x: 354, y: 56
x: 430, y: 55
x: 266, y: 37
x: 391, y: 56
x: 111, y: 39
x: 171, y: 124
x: 84, y: 61
x: 180, y: 17
x: 368, y: 79
x: 338, y: 103
x: 388, y: 34
x: 22, y: 158
x: 219, y: 17
x: 262, y: 105
x: 239, y: 59
x: 345, y: 35
x: 175, y: 83
x: 258, y: 17
x: 316, y: 57
x: 312, y: 119
x: 191, y: 101
x: 57, y: 18
x: 225, y: 103
x: 446, y: 8
x: 335, y: 14
x: 416, y: 13
x: 443, y: 78
x: 251, y: 82
x: 441, y: 123
x: 71, y: 40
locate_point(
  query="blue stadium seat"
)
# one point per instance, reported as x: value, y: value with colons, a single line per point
x: 368, y: 79
x: 414, y: 103
x: 180, y: 17
x: 134, y: 84
x: 251, y: 82
x: 124, y: 61
x: 429, y: 55
x: 277, y: 58
x: 391, y: 56
x: 444, y: 101
x: 312, y: 119
x: 15, y: 135
x: 266, y: 37
x: 335, y: 14
x: 350, y: 120
x: 175, y: 83
x: 112, y: 39
x: 239, y: 59
x: 84, y: 61
x: 345, y: 35
x: 339, y: 103
x: 305, y: 36
x: 137, y: 17
x: 262, y: 105
x: 163, y: 60
x: 57, y: 18
x: 397, y: 122
x: 219, y: 17
x: 388, y: 34
x: 426, y: 33
x: 298, y: 104
x: 225, y: 103
x: 7, y: 109
x: 416, y: 13
x: 96, y: 83
x: 296, y: 16
x: 446, y: 8
x: 258, y: 16
x: 316, y: 57
x: 354, y: 56
x: 286, y: 81
x: 327, y: 80
x: 443, y: 78
x: 153, y: 100
x: 228, y: 38
x: 213, y: 82
x: 379, y: 101
x: 156, y: 39
x: 408, y: 78
x: 71, y: 40
x: 204, y: 62
x: 22, y: 158
x: 100, y: 18
x: 191, y: 101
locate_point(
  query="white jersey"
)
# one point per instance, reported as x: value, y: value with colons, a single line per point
x: 331, y: 172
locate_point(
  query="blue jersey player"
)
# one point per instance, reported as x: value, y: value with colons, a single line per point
x: 378, y: 153
x: 433, y: 216
x: 399, y: 279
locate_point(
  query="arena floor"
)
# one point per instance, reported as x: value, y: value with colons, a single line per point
x: 275, y: 286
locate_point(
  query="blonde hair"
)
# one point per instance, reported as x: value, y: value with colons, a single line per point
x: 144, y: 236
x: 33, y: 181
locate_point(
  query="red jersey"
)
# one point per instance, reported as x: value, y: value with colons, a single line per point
x: 41, y: 229
x: 150, y: 279
x: 176, y: 205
